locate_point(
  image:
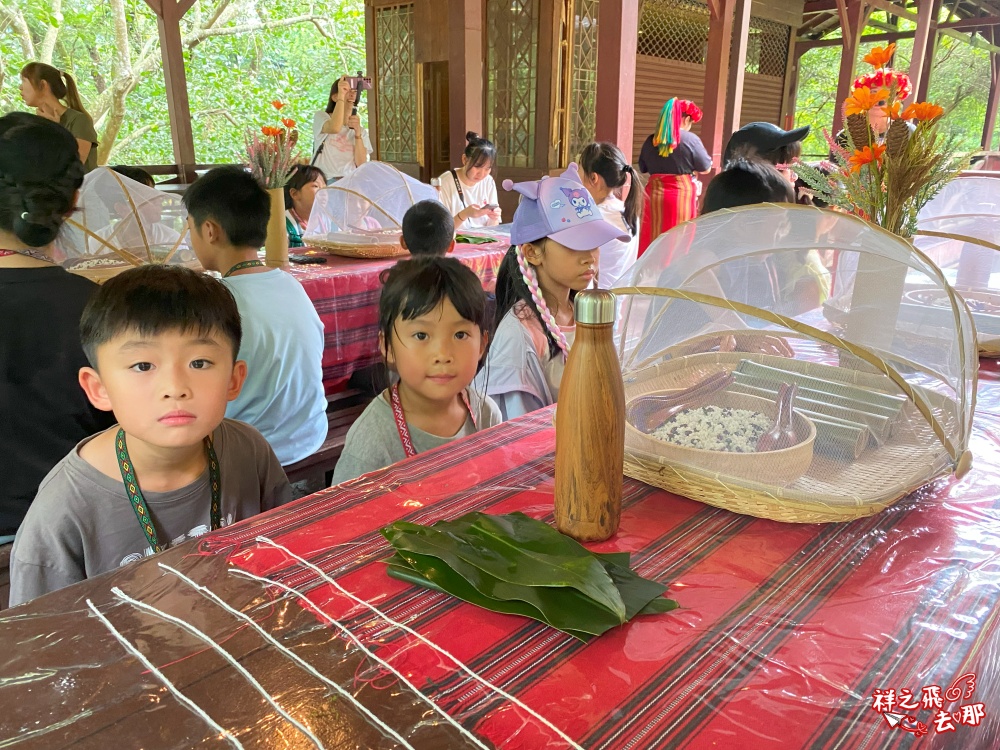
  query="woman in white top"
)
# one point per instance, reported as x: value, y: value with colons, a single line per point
x: 469, y: 192
x: 607, y: 173
x: 340, y: 144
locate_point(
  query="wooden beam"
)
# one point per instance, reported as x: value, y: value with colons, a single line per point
x: 926, y: 26
x: 720, y: 35
x: 972, y: 23
x: 930, y: 49
x: 994, y: 99
x: 890, y: 7
x: 804, y: 45
x: 856, y: 14
x: 465, y: 73
x: 819, y: 6
x: 617, y: 41
x: 737, y: 68
x: 371, y: 56
x: 168, y: 24
x: 791, y: 86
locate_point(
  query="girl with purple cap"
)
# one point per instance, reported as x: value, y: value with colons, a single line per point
x: 555, y: 237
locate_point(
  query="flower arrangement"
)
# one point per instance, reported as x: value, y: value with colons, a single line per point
x: 886, y: 177
x: 270, y: 151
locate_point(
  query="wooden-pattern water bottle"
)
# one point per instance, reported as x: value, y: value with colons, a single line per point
x: 590, y: 425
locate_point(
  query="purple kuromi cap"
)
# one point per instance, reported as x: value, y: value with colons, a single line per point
x: 562, y: 209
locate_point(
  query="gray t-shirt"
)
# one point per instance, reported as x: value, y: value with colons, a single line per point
x: 373, y: 440
x: 81, y: 523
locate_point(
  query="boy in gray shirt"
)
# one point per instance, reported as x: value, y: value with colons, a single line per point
x: 162, y: 341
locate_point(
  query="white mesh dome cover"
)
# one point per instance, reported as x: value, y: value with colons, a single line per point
x: 960, y: 231
x: 119, y: 221
x: 884, y: 386
x: 368, y: 204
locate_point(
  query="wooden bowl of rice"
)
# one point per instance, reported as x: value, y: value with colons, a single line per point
x: 779, y: 467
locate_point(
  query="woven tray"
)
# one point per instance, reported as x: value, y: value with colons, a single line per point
x: 830, y: 490
x: 358, y: 250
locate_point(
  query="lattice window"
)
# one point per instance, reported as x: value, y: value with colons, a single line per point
x: 397, y: 90
x: 767, y: 47
x: 583, y: 95
x: 674, y: 30
x: 511, y: 72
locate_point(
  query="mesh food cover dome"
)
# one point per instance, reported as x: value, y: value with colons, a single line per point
x: 121, y: 223
x: 362, y: 214
x: 748, y: 388
x: 960, y: 230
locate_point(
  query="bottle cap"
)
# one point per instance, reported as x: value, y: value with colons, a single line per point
x: 594, y: 307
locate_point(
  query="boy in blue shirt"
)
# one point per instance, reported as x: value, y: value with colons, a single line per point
x: 283, y: 341
x: 162, y: 341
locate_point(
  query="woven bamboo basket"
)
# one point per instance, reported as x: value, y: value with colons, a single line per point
x: 884, y: 475
x: 370, y: 250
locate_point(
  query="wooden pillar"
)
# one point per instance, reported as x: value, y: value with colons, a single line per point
x: 617, y: 40
x: 720, y: 35
x: 921, y: 88
x: 791, y: 85
x: 992, y: 102
x: 853, y: 15
x: 168, y: 23
x: 926, y: 26
x: 737, y: 68
x: 466, y: 55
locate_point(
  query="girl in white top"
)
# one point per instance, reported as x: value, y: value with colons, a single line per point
x: 300, y: 194
x: 469, y: 192
x: 606, y: 172
x: 340, y: 144
x: 555, y: 240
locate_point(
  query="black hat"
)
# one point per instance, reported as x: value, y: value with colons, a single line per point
x: 761, y: 138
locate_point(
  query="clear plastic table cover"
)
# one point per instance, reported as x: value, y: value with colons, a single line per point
x: 787, y: 636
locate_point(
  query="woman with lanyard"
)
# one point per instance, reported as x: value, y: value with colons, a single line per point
x: 470, y: 192
x: 340, y: 144
x: 300, y: 194
x: 672, y: 156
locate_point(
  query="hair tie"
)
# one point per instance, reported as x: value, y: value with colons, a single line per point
x: 24, y: 215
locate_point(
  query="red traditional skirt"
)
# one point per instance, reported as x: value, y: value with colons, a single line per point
x: 670, y: 199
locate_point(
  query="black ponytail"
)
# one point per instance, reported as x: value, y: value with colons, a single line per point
x: 607, y: 160
x: 40, y: 172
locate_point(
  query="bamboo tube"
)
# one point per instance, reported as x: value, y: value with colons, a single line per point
x: 826, y: 397
x: 765, y: 372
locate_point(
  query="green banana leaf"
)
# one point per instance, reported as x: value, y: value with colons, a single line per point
x: 471, y: 239
x: 515, y: 552
x: 461, y: 558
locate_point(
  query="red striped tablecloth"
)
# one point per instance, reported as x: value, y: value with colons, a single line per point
x: 784, y: 635
x: 345, y: 292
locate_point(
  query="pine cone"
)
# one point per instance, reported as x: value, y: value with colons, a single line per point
x: 896, y: 138
x: 860, y: 130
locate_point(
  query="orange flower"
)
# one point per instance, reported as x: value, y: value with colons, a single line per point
x: 863, y: 99
x: 892, y: 110
x: 867, y: 155
x: 879, y: 57
x: 268, y: 130
x: 288, y: 122
x: 277, y: 104
x: 923, y: 111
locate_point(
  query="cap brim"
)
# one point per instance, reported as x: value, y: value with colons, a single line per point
x: 797, y: 134
x: 589, y: 236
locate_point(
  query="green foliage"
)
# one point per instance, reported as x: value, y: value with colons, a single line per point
x: 237, y: 62
x: 960, y: 82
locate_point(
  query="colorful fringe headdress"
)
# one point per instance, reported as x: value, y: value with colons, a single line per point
x: 668, y: 129
x: 883, y: 77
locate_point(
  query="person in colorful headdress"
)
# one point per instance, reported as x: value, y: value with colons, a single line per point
x: 671, y: 156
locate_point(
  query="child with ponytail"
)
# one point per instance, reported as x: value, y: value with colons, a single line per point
x: 555, y: 240
x: 615, y: 188
x: 53, y: 94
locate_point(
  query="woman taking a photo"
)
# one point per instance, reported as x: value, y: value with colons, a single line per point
x: 671, y: 157
x: 54, y: 96
x: 340, y: 144
x: 469, y: 192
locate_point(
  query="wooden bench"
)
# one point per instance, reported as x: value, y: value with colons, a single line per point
x: 341, y: 411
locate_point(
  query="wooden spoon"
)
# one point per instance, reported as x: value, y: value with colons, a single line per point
x: 782, y: 435
x: 647, y: 413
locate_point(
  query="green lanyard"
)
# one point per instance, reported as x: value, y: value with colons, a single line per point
x: 139, y: 502
x: 241, y: 265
